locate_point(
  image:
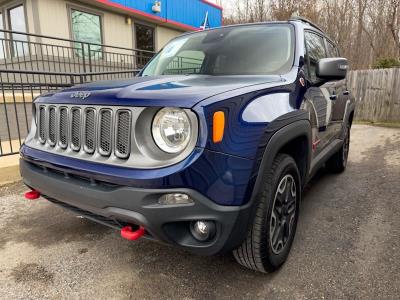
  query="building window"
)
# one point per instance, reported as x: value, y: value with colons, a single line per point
x: 16, y: 19
x: 144, y: 41
x: 13, y: 44
x: 86, y: 27
x: 144, y: 37
x: 3, y: 45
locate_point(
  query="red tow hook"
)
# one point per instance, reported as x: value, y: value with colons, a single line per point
x: 32, y: 195
x: 127, y: 233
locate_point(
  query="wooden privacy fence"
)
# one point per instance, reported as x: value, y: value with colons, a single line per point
x: 377, y: 94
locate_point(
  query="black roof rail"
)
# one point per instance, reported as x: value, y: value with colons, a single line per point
x: 302, y: 19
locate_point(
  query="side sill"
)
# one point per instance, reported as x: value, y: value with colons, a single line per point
x: 323, y: 156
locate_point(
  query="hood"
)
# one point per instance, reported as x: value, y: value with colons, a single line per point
x: 182, y: 91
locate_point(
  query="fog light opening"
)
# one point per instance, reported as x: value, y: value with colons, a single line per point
x: 202, y: 230
x: 175, y: 198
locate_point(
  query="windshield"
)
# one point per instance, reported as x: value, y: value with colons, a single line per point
x: 238, y: 50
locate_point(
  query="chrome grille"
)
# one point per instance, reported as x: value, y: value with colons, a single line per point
x: 52, y: 126
x: 63, y: 134
x: 122, y: 141
x: 86, y: 130
x: 105, y: 132
x: 90, y: 130
x: 76, y: 129
x: 42, y: 124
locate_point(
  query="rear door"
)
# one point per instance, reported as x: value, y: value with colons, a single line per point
x: 342, y: 94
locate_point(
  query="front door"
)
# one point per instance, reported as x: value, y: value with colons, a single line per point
x: 321, y: 96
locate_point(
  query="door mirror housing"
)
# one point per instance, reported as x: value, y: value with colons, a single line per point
x: 332, y: 68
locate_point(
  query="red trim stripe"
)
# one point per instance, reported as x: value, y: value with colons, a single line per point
x: 188, y: 27
x: 143, y: 14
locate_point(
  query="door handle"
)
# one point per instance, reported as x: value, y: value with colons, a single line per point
x: 346, y: 93
x: 333, y: 97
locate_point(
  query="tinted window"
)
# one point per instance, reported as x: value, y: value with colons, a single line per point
x: 238, y: 50
x: 86, y: 27
x: 315, y: 51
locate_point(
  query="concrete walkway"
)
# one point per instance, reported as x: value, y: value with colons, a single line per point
x: 9, y: 169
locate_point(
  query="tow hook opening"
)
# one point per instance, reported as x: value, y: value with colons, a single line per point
x: 132, y: 235
x: 32, y: 195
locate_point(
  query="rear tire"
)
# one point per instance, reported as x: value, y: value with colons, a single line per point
x: 271, y: 235
x: 338, y: 162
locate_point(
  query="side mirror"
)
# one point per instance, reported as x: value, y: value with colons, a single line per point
x: 332, y: 68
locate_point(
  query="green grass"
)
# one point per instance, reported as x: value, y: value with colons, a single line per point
x: 380, y: 124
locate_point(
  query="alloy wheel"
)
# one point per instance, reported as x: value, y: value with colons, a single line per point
x: 283, y: 213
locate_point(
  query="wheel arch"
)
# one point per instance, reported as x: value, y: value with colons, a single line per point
x: 285, y: 140
x: 351, y: 115
x: 289, y: 140
x: 283, y: 136
x: 281, y: 141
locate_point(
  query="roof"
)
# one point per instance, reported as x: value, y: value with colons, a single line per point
x: 304, y: 20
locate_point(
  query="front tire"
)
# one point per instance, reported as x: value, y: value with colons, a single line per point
x: 271, y: 235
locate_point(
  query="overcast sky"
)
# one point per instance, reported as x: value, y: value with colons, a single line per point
x: 226, y: 4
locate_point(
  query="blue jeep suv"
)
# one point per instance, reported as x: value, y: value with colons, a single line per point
x: 208, y: 148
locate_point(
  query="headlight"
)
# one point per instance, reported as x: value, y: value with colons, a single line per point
x: 171, y: 130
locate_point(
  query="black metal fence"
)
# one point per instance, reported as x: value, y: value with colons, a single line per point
x: 32, y: 64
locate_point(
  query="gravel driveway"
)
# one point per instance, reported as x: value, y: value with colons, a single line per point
x: 347, y: 245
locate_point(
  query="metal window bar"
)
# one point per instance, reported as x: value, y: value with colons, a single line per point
x: 31, y: 64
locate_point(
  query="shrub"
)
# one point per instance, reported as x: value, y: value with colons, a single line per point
x: 384, y: 63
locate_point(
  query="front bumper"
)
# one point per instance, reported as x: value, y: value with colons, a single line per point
x: 139, y: 206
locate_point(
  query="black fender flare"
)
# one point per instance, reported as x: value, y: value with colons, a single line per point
x: 350, y: 109
x: 279, y: 139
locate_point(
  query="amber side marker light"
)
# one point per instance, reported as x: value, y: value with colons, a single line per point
x: 218, y: 126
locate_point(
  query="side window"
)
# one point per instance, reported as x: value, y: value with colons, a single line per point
x: 315, y: 50
x: 332, y: 50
